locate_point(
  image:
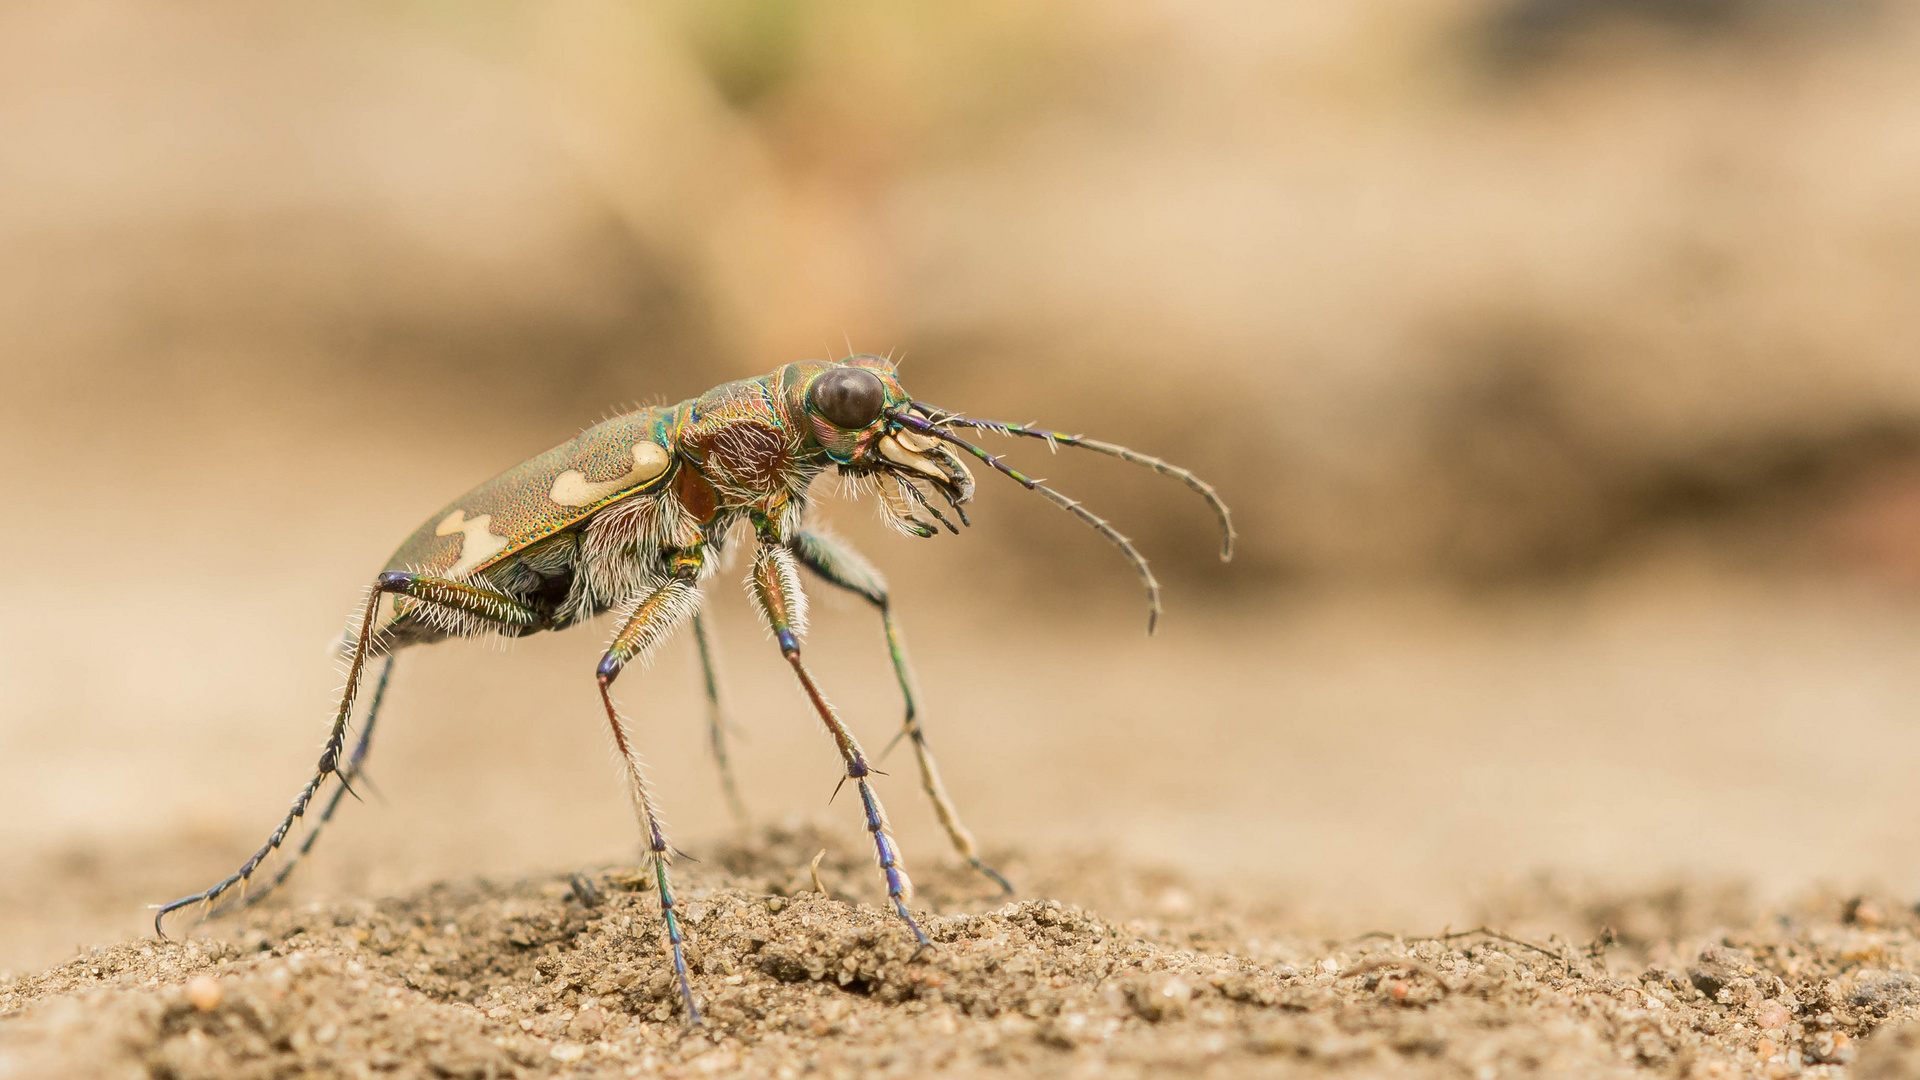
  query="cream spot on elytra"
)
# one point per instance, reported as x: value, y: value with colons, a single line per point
x: 477, y: 544
x: 572, y: 488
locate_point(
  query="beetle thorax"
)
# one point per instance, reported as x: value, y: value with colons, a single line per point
x: 742, y: 446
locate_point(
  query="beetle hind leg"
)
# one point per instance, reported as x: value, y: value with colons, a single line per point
x: 350, y: 773
x: 466, y: 600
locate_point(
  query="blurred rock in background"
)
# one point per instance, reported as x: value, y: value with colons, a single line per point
x: 1432, y: 288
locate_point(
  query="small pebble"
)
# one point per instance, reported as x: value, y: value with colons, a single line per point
x: 1863, y: 912
x: 567, y: 1053
x: 1771, y: 1015
x: 587, y: 1024
x: 1830, y: 1048
x: 204, y: 993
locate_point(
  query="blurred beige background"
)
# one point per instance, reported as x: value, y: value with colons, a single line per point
x: 1558, y: 357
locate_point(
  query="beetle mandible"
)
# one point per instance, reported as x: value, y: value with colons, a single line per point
x: 630, y: 517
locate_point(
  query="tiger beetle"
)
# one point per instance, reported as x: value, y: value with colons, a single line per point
x: 631, y: 517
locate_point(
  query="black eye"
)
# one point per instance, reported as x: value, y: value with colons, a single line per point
x: 849, y: 397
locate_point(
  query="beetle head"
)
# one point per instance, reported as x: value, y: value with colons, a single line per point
x: 856, y: 415
x: 848, y: 411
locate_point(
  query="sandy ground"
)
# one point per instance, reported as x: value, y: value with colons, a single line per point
x: 565, y: 976
x: 1201, y: 835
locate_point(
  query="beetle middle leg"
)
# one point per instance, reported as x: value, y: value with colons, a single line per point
x: 652, y: 620
x: 839, y: 564
x: 776, y: 592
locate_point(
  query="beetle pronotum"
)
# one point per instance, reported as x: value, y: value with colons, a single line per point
x: 630, y: 516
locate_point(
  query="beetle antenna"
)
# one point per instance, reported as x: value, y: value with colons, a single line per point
x: 1055, y: 439
x: 1071, y: 506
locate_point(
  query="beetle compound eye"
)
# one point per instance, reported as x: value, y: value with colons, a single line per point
x: 849, y: 397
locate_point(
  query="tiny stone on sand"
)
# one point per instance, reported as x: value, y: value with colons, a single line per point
x: 203, y: 993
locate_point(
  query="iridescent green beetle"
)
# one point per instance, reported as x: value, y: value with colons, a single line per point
x: 630, y: 517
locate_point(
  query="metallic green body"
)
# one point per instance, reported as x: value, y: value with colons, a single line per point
x: 738, y: 435
x: 518, y: 501
x: 631, y: 515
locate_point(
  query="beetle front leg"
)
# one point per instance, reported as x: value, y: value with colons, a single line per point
x: 776, y: 592
x: 656, y: 617
x: 483, y: 606
x: 839, y: 564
